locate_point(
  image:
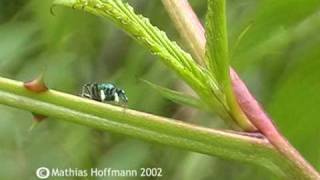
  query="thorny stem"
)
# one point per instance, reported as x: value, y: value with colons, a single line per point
x: 145, y: 126
x: 189, y: 26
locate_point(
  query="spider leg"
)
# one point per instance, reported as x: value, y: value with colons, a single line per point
x: 95, y: 92
x: 86, y: 96
x: 90, y: 91
x: 86, y: 91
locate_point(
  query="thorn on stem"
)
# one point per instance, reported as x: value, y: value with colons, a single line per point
x: 37, y: 118
x: 37, y: 85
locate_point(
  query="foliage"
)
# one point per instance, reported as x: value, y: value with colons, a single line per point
x: 277, y: 57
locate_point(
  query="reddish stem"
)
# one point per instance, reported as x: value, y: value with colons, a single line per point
x: 259, y: 119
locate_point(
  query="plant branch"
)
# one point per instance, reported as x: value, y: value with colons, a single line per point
x: 141, y: 125
x: 183, y: 16
x: 181, y: 21
x: 265, y: 125
x: 178, y: 9
x: 157, y: 42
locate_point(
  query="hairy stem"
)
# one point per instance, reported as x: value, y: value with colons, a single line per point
x: 178, y: 10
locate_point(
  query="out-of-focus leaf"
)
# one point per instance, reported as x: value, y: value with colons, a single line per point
x: 240, y: 37
x: 296, y: 102
x: 271, y: 18
x: 129, y: 154
x: 273, y: 14
x: 16, y: 39
x: 177, y: 96
x: 280, y: 40
x: 195, y: 166
x: 58, y: 70
x: 10, y: 8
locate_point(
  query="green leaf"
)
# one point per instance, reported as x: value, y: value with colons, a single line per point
x: 140, y: 28
x: 296, y: 102
x: 217, y: 53
x: 157, y: 42
x: 16, y: 40
x: 271, y: 36
x: 240, y: 37
x: 177, y: 97
x: 217, y: 59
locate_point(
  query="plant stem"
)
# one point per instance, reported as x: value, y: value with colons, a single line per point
x: 217, y: 59
x: 265, y: 125
x: 178, y: 10
x: 145, y: 126
x: 181, y: 21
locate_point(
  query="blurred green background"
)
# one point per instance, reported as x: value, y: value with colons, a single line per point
x: 279, y: 58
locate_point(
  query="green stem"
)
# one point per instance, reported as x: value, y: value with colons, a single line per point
x: 217, y: 50
x: 145, y: 126
x: 217, y: 58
